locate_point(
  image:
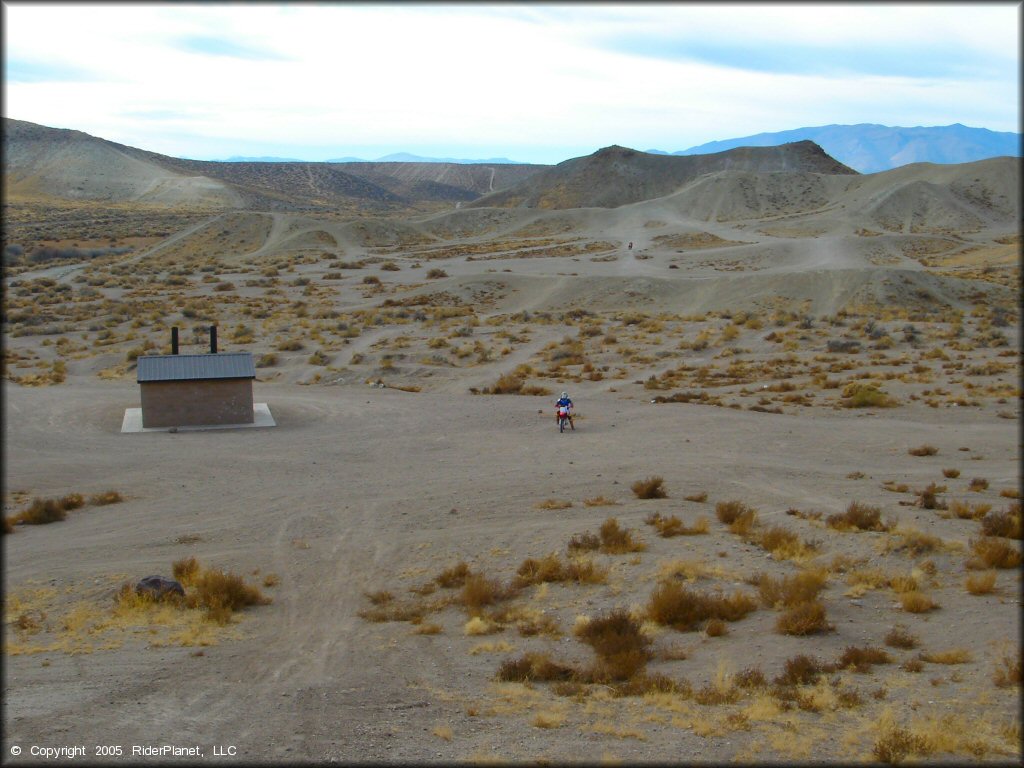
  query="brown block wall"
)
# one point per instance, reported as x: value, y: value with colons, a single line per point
x: 194, y: 403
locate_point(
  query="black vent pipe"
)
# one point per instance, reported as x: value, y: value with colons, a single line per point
x: 174, y: 340
x: 213, y: 339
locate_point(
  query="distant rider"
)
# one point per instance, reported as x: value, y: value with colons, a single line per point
x: 564, y: 402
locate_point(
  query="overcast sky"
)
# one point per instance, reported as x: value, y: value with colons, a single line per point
x: 531, y: 82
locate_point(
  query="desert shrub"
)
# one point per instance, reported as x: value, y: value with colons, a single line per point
x: 800, y: 670
x: 700, y: 497
x: 896, y: 744
x: 534, y: 667
x: 963, y: 510
x: 916, y: 542
x: 479, y: 591
x: 898, y: 637
x: 106, y: 497
x: 916, y: 602
x: 266, y: 360
x: 951, y: 473
x: 750, y: 678
x: 221, y: 593
x: 777, y: 539
x: 857, y: 516
x: 650, y: 488
x: 584, y: 542
x: 225, y: 286
x: 716, y: 628
x: 1007, y: 672
x: 622, y: 649
x: 371, y: 280
x: 865, y: 395
x: 1005, y: 524
x: 802, y: 587
x: 185, y: 570
x: 600, y: 501
x: 454, y: 576
x: 923, y: 450
x: 928, y: 497
x: 953, y: 656
x: 803, y: 619
x: 981, y: 583
x: 673, y: 526
x: 553, y: 504
x: 436, y: 273
x: 673, y: 605
x: 290, y: 345
x: 978, y: 484
x: 616, y: 540
x: 995, y: 552
x: 44, y: 511
x: 862, y: 659
x: 729, y: 512
x: 318, y: 358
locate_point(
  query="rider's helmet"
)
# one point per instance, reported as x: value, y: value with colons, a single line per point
x: 565, y: 394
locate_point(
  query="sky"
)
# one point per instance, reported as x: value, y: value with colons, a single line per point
x: 532, y: 82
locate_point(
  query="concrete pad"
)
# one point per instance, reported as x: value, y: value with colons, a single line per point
x: 133, y: 422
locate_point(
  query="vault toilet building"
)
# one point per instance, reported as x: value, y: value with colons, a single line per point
x: 196, y: 390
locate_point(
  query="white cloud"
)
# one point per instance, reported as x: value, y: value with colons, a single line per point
x: 499, y: 76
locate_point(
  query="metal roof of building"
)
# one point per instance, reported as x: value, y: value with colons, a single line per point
x: 219, y: 365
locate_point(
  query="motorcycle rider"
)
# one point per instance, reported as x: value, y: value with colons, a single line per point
x: 564, y: 401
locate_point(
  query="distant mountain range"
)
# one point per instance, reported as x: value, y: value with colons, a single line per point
x: 870, y: 148
x: 396, y: 157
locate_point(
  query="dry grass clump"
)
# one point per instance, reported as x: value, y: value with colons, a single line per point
x: 781, y: 542
x: 600, y: 501
x: 186, y: 571
x: 915, y: 542
x: 553, y: 504
x: 728, y: 512
x: 898, y: 743
x: 221, y: 593
x: 673, y: 526
x: 806, y: 618
x: 859, y: 517
x: 700, y: 497
x: 923, y: 450
x: 802, y: 587
x: 866, y: 395
x: 535, y: 667
x: 622, y: 649
x: 618, y: 541
x: 514, y: 384
x: 44, y: 511
x: 801, y: 670
x: 981, y: 583
x: 650, y: 488
x: 551, y: 569
x: 916, y: 602
x: 453, y: 576
x: 928, y: 497
x: 993, y: 552
x: 1006, y: 524
x: 584, y: 542
x: 1007, y: 672
x: 862, y: 659
x: 963, y: 510
x: 479, y: 591
x: 978, y: 484
x: 953, y: 656
x: 899, y: 637
x: 683, y: 609
x: 106, y: 497
x: 951, y: 473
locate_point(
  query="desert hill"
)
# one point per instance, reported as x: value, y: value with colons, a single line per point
x: 616, y: 176
x: 71, y: 165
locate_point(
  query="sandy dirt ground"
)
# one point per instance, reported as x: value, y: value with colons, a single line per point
x: 361, y: 489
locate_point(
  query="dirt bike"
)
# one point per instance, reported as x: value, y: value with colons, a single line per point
x: 564, y: 417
